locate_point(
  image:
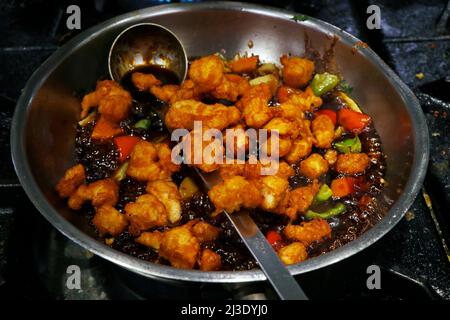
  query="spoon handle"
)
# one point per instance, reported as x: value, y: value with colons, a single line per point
x: 276, y: 272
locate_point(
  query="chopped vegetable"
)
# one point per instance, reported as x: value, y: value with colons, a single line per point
x: 345, y: 87
x: 299, y: 17
x: 353, y: 121
x: 125, y: 145
x: 188, y: 188
x: 350, y: 145
x: 342, y: 187
x: 268, y: 79
x: 275, y: 240
x: 121, y: 173
x: 143, y: 124
x: 323, y: 194
x: 349, y: 102
x: 324, y: 82
x: 328, y: 112
x: 90, y: 117
x: 336, y: 210
x: 268, y: 68
x: 243, y: 65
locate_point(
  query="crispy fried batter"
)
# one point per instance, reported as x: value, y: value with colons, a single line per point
x: 255, y: 106
x: 182, y: 114
x: 105, y: 129
x: 108, y: 220
x: 205, y: 232
x: 101, y: 192
x: 180, y: 247
x: 207, y: 72
x: 166, y: 92
x: 73, y: 178
x: 308, y: 232
x: 145, y: 213
x: 244, y: 64
x: 151, y: 161
x: 293, y: 253
x: 144, y: 81
x: 273, y: 190
x: 209, y: 261
x: 297, y: 71
x: 300, y: 199
x: 231, y: 87
x: 234, y: 193
x: 314, y: 166
x: 323, y: 130
x: 167, y: 192
x: 352, y: 163
x: 150, y: 239
x: 331, y: 156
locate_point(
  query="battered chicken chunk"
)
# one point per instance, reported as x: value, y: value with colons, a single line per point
x: 352, y: 163
x: 297, y: 71
x: 165, y: 93
x: 151, y: 161
x: 244, y: 64
x: 144, y: 81
x: 300, y: 200
x: 209, y: 261
x: 331, y: 156
x: 314, y: 166
x: 323, y: 130
x: 167, y: 193
x: 304, y: 100
x: 180, y: 247
x: 284, y: 127
x: 293, y: 253
x: 231, y: 87
x: 234, y: 193
x: 150, y: 239
x: 255, y: 106
x: 182, y: 114
x: 207, y: 72
x: 73, y: 178
x: 101, y: 192
x: 205, y: 232
x: 108, y: 220
x: 300, y: 148
x: 273, y: 190
x: 308, y: 232
x: 105, y: 129
x: 145, y: 213
x: 113, y: 101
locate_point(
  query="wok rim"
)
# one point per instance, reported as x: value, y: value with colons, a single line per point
x: 392, y: 217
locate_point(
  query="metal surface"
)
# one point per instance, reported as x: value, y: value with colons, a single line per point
x: 146, y: 44
x: 43, y: 127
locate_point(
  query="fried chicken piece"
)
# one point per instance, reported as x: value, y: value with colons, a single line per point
x: 234, y: 193
x: 303, y: 100
x: 244, y: 64
x: 108, y: 220
x: 205, y: 232
x: 209, y: 261
x: 300, y: 148
x: 113, y: 102
x: 293, y: 253
x: 273, y: 150
x: 238, y: 140
x: 101, y: 192
x: 255, y: 106
x: 273, y: 190
x: 73, y: 178
x: 206, y: 155
x: 151, y: 161
x: 253, y: 171
x: 308, y: 232
x: 166, y: 92
x: 167, y: 193
x: 180, y: 247
x: 296, y: 71
x: 352, y: 163
x: 331, y: 156
x: 314, y: 166
x: 284, y: 127
x: 182, y: 114
x: 300, y: 199
x: 207, y: 72
x: 105, y: 129
x: 143, y: 81
x: 151, y: 240
x: 323, y: 130
x: 145, y: 213
x: 231, y: 87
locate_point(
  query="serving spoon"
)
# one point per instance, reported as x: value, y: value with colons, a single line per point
x: 151, y: 44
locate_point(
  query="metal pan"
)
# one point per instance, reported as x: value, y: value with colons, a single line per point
x: 43, y: 128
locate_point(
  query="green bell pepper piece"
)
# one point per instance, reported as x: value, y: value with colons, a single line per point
x: 143, y: 124
x: 324, y: 82
x: 336, y: 210
x: 323, y: 194
x: 350, y: 145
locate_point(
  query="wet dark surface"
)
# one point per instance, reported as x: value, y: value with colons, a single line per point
x: 413, y: 248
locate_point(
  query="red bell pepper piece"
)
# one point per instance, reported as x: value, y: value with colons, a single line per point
x: 275, y: 240
x: 330, y: 113
x: 353, y: 121
x: 125, y: 145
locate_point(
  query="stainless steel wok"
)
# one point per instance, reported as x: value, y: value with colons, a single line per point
x: 43, y: 128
